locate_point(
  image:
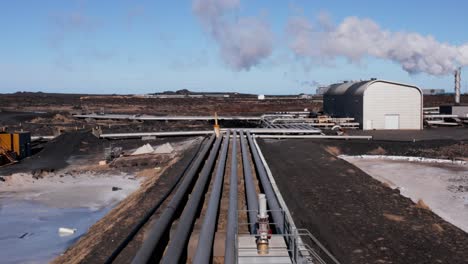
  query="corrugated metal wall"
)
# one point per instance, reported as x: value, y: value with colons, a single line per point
x: 382, y: 98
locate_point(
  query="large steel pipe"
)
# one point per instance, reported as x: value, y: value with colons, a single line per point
x: 275, y: 130
x: 252, y: 203
x: 178, y: 242
x: 157, y: 134
x: 205, y: 240
x: 267, y: 188
x: 164, y: 118
x: 231, y: 229
x: 156, y: 206
x: 314, y: 137
x: 161, y: 225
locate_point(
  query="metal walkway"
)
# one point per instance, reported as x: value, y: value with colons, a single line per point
x: 247, y: 251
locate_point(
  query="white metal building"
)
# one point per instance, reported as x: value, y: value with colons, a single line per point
x: 376, y: 104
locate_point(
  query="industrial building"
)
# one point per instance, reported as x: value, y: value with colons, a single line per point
x: 433, y: 91
x: 376, y: 104
x: 458, y: 110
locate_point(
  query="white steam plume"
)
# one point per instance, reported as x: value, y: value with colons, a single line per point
x: 243, y: 42
x: 357, y: 38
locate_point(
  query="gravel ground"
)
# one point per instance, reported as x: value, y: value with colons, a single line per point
x: 440, y: 133
x: 358, y: 218
x: 443, y: 187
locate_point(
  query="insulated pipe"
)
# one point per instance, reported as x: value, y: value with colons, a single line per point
x: 161, y: 225
x: 209, y: 132
x: 267, y: 188
x: 262, y: 206
x: 157, y: 134
x: 205, y: 240
x: 164, y: 118
x: 314, y: 137
x: 144, y: 220
x: 277, y: 130
x: 231, y: 229
x: 288, y: 216
x: 252, y: 202
x: 178, y: 242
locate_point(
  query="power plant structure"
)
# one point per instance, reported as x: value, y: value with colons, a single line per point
x: 457, y: 85
x: 376, y: 104
x: 457, y: 109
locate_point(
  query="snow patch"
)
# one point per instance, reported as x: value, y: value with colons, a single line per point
x: 405, y: 158
x: 441, y: 184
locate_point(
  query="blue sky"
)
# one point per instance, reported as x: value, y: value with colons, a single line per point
x: 149, y: 46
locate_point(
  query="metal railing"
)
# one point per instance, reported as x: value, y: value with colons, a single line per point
x: 298, y: 251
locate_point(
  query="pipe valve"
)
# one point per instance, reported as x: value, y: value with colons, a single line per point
x: 263, y: 230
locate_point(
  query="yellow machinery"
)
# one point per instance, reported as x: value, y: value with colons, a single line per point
x: 15, y: 146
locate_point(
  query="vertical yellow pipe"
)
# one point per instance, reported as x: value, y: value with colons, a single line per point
x: 216, y: 126
x: 16, y: 144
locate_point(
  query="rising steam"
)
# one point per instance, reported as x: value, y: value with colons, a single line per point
x: 356, y: 38
x: 243, y: 42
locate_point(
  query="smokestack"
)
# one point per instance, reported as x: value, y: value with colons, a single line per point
x: 457, y: 85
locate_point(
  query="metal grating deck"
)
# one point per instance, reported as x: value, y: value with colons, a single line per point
x: 247, y: 251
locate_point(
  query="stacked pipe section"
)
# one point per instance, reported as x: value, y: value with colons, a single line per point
x: 178, y: 242
x: 231, y: 230
x: 146, y: 253
x: 273, y: 204
x: 207, y: 233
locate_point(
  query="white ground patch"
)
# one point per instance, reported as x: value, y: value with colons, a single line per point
x: 32, y: 211
x: 442, y: 186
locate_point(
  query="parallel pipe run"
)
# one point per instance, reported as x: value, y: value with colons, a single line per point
x: 271, y: 197
x: 231, y: 229
x: 148, y: 215
x: 165, y: 118
x: 205, y: 241
x: 277, y: 130
x: 288, y: 213
x: 178, y: 242
x: 157, y: 134
x: 314, y: 137
x: 159, y: 228
x: 252, y: 202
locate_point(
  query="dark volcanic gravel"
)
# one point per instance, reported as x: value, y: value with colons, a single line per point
x: 359, y: 219
x: 56, y: 152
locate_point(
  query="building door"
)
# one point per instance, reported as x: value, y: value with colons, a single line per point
x: 368, y: 124
x: 392, y: 121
